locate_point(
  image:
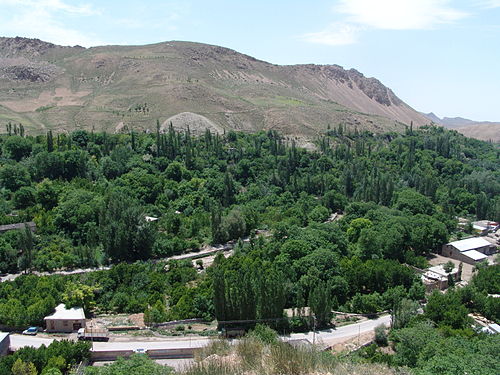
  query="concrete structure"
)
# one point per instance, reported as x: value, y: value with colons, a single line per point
x: 4, y: 343
x: 437, y: 278
x: 471, y: 250
x: 65, y: 320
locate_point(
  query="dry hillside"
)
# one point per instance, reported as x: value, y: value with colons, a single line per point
x: 45, y: 86
x: 484, y: 130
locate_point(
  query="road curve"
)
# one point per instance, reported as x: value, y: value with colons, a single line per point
x: 331, y: 335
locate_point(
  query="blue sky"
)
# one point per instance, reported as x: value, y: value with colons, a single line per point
x: 437, y: 55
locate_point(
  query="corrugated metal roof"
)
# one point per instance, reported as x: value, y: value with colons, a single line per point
x: 470, y: 243
x: 62, y: 313
x: 475, y: 255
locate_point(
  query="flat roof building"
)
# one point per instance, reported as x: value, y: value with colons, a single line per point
x: 65, y: 320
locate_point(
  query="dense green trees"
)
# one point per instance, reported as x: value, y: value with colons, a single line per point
x: 90, y: 193
x: 138, y: 364
x: 57, y: 358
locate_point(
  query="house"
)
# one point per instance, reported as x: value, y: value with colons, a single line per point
x: 471, y: 250
x: 437, y: 278
x: 4, y: 343
x: 483, y: 227
x: 65, y: 320
x: 432, y: 281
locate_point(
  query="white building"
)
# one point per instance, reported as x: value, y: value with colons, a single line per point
x: 492, y: 329
x: 65, y: 320
x: 471, y: 250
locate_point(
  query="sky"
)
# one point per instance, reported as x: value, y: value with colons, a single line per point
x: 437, y: 55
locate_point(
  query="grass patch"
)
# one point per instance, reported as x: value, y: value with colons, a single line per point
x: 45, y: 108
x: 253, y: 356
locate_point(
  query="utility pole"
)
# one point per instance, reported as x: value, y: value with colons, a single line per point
x: 314, y: 330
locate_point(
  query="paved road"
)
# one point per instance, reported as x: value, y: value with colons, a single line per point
x: 333, y: 335
x: 13, y: 276
x: 326, y: 337
x: 19, y: 341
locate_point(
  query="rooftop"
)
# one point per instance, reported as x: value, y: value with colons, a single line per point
x: 440, y: 270
x: 75, y: 313
x: 470, y: 243
x: 3, y: 335
x: 492, y: 328
x: 474, y: 255
x: 429, y: 275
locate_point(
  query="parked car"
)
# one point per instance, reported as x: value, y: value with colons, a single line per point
x: 32, y: 331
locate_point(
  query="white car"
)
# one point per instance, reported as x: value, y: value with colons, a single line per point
x: 32, y: 331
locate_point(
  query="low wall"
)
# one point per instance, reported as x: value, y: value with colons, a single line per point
x: 177, y: 322
x: 109, y: 355
x: 123, y: 328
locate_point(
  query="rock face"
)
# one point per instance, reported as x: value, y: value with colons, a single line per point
x: 25, y: 47
x: 48, y: 86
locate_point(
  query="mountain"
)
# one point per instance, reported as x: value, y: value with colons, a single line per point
x: 485, y: 130
x: 46, y: 86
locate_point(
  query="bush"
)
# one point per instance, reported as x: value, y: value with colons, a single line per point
x: 381, y: 335
x: 264, y: 334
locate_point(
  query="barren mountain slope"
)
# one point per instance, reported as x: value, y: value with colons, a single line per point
x: 484, y: 130
x: 45, y: 86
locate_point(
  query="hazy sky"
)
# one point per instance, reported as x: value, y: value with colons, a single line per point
x: 437, y: 55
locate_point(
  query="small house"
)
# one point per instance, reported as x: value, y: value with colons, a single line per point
x: 65, y: 320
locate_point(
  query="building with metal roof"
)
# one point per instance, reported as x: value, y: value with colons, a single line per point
x: 65, y: 320
x: 471, y: 250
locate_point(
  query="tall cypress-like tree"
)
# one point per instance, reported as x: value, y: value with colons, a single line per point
x: 50, y: 141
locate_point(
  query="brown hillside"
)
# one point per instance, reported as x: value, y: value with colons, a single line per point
x: 486, y: 131
x: 45, y: 86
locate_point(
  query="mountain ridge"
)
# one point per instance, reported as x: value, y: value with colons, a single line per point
x: 45, y: 86
x: 484, y: 130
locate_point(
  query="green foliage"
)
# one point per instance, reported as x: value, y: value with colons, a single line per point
x: 79, y: 295
x: 89, y: 194
x: 56, y: 358
x: 447, y: 310
x: 264, y: 334
x: 381, y: 335
x: 138, y: 364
